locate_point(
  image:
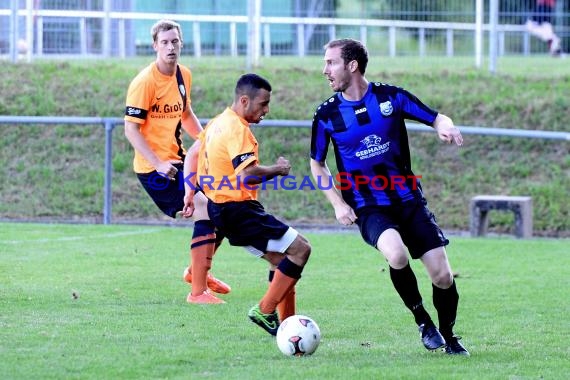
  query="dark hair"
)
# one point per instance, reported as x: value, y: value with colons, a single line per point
x: 351, y: 50
x: 250, y: 84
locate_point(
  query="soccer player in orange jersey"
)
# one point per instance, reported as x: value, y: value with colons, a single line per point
x: 229, y: 172
x: 158, y: 107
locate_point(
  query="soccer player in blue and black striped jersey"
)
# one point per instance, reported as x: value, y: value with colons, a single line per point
x: 378, y: 190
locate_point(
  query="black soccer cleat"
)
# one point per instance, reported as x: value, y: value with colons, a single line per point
x: 453, y: 347
x: 431, y: 337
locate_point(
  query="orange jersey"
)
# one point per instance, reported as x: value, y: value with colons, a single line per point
x: 154, y: 101
x: 227, y: 147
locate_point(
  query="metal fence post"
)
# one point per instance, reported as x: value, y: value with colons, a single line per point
x: 493, y: 36
x: 14, y: 31
x: 107, y: 8
x: 107, y: 192
x: 479, y: 17
x: 29, y: 38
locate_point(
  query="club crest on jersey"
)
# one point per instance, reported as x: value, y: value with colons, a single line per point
x: 386, y: 108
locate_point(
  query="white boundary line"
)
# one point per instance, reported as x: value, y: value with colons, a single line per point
x: 75, y: 238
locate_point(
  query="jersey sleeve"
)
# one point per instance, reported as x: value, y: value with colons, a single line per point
x: 414, y: 109
x: 138, y: 102
x: 242, y: 149
x: 319, y: 138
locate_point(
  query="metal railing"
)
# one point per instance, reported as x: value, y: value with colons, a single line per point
x: 110, y: 123
x: 112, y: 30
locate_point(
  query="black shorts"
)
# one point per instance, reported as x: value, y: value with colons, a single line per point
x: 246, y: 223
x: 167, y: 195
x: 412, y: 219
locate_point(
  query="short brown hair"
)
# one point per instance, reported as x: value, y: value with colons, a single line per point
x: 351, y: 50
x: 163, y: 26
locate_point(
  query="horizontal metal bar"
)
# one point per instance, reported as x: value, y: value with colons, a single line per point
x: 415, y: 127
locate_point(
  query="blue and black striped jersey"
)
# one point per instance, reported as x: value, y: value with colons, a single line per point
x: 371, y: 144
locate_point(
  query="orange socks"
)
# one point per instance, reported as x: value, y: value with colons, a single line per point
x: 201, y: 253
x: 286, y: 307
x: 284, y: 280
x: 279, y: 287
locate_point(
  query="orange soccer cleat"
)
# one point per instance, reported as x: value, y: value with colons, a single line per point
x: 215, y: 285
x: 205, y: 298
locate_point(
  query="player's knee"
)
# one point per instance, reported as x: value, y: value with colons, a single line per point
x: 397, y: 261
x: 273, y: 258
x: 395, y: 256
x: 390, y: 244
x: 306, y: 244
x: 300, y: 249
x: 443, y: 278
x: 304, y: 251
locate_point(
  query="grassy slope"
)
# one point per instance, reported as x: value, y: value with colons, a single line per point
x: 63, y: 165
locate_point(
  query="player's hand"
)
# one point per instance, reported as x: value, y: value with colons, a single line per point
x: 345, y: 214
x: 284, y: 166
x: 188, y: 209
x: 167, y: 169
x: 450, y: 135
x: 447, y: 131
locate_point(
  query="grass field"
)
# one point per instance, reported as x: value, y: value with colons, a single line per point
x: 108, y: 302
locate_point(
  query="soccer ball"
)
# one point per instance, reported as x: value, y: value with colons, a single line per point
x: 298, y: 335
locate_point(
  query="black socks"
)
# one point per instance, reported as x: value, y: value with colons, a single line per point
x: 445, y: 302
x: 406, y: 285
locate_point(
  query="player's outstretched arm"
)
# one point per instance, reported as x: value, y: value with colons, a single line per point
x: 446, y: 130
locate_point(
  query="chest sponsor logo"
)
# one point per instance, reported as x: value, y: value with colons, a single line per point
x: 372, y: 146
x: 386, y: 108
x: 166, y: 111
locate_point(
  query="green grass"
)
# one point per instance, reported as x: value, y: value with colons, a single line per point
x: 131, y: 320
x: 55, y: 172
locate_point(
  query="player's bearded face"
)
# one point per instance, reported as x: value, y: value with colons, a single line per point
x: 258, y: 107
x: 341, y: 80
x: 335, y: 70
